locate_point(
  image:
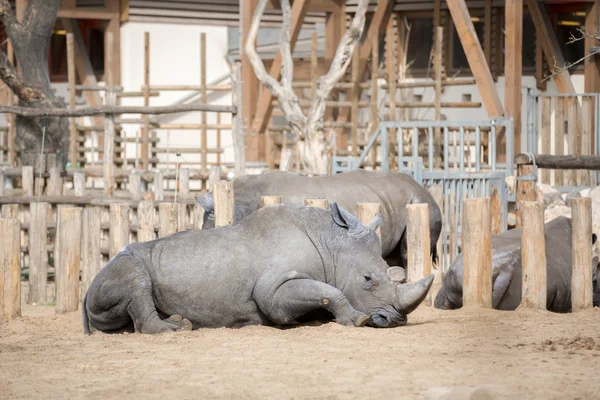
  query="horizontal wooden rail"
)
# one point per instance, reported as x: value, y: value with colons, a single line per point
x: 559, y: 162
x: 89, y: 111
x: 418, y: 104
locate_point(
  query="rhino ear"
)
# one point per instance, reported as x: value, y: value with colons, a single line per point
x: 207, y: 202
x: 396, y: 274
x: 342, y: 217
x: 376, y: 222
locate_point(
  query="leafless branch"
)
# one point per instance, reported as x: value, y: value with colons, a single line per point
x: 287, y: 74
x: 40, y: 16
x: 8, y: 18
x: 582, y: 35
x: 9, y: 75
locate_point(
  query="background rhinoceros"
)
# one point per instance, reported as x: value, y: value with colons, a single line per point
x: 507, y: 273
x: 277, y: 265
x: 392, y: 190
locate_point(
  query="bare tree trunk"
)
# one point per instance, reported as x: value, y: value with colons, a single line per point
x: 31, y: 41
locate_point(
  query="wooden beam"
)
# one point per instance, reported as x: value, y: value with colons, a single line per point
x: 264, y: 107
x: 124, y: 12
x: 592, y: 64
x: 250, y: 83
x: 479, y: 67
x: 513, y: 70
x: 85, y: 13
x: 487, y: 35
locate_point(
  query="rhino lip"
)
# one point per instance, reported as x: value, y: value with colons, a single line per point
x: 385, y: 320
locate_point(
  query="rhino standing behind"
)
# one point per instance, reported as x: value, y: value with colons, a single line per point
x: 277, y: 265
x: 507, y: 271
x: 392, y: 190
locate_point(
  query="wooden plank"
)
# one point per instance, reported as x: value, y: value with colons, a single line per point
x: 418, y: 244
x: 581, y: 280
x: 224, y: 209
x: 146, y: 220
x: 135, y: 186
x: 167, y: 217
x: 477, y: 250
x: 203, y: 133
x: 559, y: 137
x: 266, y: 201
x: 472, y: 47
x: 525, y: 189
x: 237, y: 123
x: 319, y: 203
x: 79, y: 183
x: 583, y: 177
x: 366, y: 213
x: 84, y: 13
x: 184, y: 183
x: 159, y: 194
x: 28, y: 180
x: 198, y: 216
x: 374, y: 98
x: 391, y: 69
x: 91, y: 258
x: 545, y: 133
x: 355, y: 94
x: 10, y: 269
x: 437, y: 139
x: 264, y: 106
x: 146, y: 89
x: 182, y: 216
x: 1, y: 183
x: 513, y: 55
x: 251, y: 85
x: 497, y: 217
x: 533, y: 255
x: 67, y: 268
x: 38, y: 253
x: 72, y: 82
x: 119, y: 228
x: 592, y: 64
x: 55, y: 183
x: 487, y: 33
x: 572, y: 137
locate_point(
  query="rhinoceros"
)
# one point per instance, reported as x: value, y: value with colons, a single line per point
x: 507, y: 271
x: 277, y: 265
x: 392, y: 190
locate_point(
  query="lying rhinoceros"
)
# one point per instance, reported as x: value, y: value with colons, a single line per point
x: 507, y: 271
x: 277, y: 265
x: 393, y: 191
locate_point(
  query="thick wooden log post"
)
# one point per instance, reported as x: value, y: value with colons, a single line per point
x: 581, y: 280
x: 28, y: 181
x: 10, y: 269
x: 533, y: 255
x: 365, y: 212
x: 198, y: 216
x: 525, y: 188
x: 55, y: 183
x: 477, y: 249
x: 167, y: 217
x: 266, y: 201
x: 184, y: 183
x: 79, y: 183
x: 38, y: 253
x: 135, y: 186
x: 146, y: 219
x: 91, y: 258
x: 67, y: 269
x: 224, y: 211
x: 418, y: 244
x: 119, y: 228
x: 320, y: 203
x: 159, y: 194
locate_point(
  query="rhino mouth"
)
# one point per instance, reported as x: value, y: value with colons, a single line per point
x: 386, y: 319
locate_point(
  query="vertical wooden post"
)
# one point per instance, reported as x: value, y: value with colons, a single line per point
x: 27, y: 177
x: 319, y: 203
x: 581, y: 280
x: 374, y: 93
x: 452, y: 233
x: 392, y: 79
x: 79, y: 183
x: 135, y: 186
x: 525, y: 188
x: 437, y: 141
x: 418, y: 244
x: 38, y: 253
x: 184, y: 183
x: 119, y: 228
x: 237, y: 123
x: 108, y: 165
x: 497, y: 217
x: 572, y: 137
x: 159, y: 194
x: 545, y: 133
x: 204, y: 144
x: 182, y: 216
x: 487, y: 34
x: 587, y: 132
x: 365, y: 212
x: 91, y: 258
x: 513, y: 26
x: 167, y: 217
x: 533, y: 255
x: 146, y: 219
x: 437, y: 192
x: 214, y: 177
x: 72, y: 78
x: 355, y: 95
x: 224, y: 208
x: 559, y: 137
x: 10, y: 211
x: 218, y: 132
x: 314, y: 63
x: 10, y: 269
x: 477, y: 250
x: 146, y: 129
x: 266, y: 201
x: 55, y: 183
x: 198, y: 216
x: 67, y: 270
x: 1, y: 182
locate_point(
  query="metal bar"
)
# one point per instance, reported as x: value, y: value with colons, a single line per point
x: 492, y: 149
x: 430, y: 145
x: 446, y: 150
x: 477, y: 149
x: 462, y: 149
x: 415, y: 143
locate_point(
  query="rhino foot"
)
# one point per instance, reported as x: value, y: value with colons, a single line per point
x: 357, y: 319
x: 184, y: 324
x: 174, y: 323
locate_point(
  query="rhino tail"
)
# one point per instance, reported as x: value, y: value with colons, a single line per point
x: 85, y: 317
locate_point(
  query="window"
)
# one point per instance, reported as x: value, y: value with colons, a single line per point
x: 529, y: 43
x: 420, y: 43
x: 459, y: 58
x: 566, y: 25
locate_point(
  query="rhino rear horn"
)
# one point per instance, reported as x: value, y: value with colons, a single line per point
x: 376, y: 222
x: 410, y: 295
x: 207, y: 202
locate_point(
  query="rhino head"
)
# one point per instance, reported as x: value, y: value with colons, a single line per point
x: 371, y: 286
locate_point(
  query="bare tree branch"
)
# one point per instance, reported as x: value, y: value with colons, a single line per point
x: 340, y: 63
x: 559, y: 69
x: 9, y: 19
x: 9, y: 75
x: 36, y: 16
x: 287, y: 74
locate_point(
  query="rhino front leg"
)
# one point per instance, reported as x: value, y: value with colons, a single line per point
x: 297, y: 297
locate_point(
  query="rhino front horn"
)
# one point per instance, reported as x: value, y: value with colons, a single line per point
x: 410, y: 295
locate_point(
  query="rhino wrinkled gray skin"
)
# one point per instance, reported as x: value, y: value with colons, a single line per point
x: 277, y: 265
x: 392, y: 190
x: 507, y: 271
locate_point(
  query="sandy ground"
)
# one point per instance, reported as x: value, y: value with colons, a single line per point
x: 521, y: 354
